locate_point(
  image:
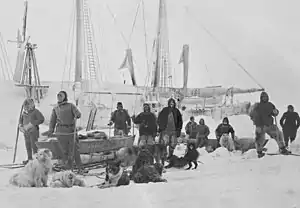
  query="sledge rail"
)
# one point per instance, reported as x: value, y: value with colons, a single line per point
x: 33, y: 86
x: 112, y: 93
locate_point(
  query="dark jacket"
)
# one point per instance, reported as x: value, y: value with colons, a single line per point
x: 191, y: 129
x: 290, y: 121
x: 121, y: 119
x: 262, y: 114
x: 147, y: 122
x: 162, y: 120
x: 224, y: 129
x: 202, y: 131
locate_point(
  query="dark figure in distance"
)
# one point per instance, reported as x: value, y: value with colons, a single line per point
x: 290, y: 122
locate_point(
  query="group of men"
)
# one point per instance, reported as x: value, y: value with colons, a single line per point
x: 167, y: 126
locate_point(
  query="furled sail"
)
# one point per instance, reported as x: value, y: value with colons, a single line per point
x: 184, y: 58
x: 128, y: 63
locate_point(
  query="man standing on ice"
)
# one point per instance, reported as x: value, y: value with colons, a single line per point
x: 191, y: 128
x: 147, y: 127
x: 29, y: 123
x: 262, y: 116
x: 290, y: 122
x: 169, y: 125
x: 121, y: 119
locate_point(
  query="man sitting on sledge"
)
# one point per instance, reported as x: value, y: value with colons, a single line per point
x: 262, y: 116
x: 222, y: 134
x: 122, y: 121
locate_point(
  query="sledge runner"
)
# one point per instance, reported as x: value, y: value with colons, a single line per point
x: 202, y: 134
x: 290, y: 122
x: 224, y: 129
x: 190, y: 128
x: 29, y: 123
x: 169, y: 125
x: 147, y: 127
x: 62, y: 121
x: 121, y: 119
x: 262, y: 116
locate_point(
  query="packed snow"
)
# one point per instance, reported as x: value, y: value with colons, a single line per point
x: 223, y: 179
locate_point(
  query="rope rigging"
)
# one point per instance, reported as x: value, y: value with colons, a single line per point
x: 146, y: 81
x: 70, y: 45
x: 225, y: 50
x: 6, y: 61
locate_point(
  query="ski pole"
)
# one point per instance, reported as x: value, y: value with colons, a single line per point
x: 74, y: 144
x: 17, y: 137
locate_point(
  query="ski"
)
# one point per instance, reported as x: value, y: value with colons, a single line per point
x: 12, y: 166
x: 272, y: 154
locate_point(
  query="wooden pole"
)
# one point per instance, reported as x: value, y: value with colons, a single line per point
x: 17, y: 137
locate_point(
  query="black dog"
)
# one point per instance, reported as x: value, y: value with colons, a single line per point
x: 144, y: 169
x: 190, y: 157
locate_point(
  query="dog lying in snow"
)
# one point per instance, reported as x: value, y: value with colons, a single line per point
x: 241, y: 144
x: 115, y: 176
x: 144, y: 170
x: 36, y: 171
x: 66, y: 179
x: 190, y: 157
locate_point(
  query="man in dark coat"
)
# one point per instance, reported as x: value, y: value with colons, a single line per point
x: 224, y: 128
x: 202, y: 133
x: 169, y: 125
x: 121, y: 119
x: 290, y: 123
x: 191, y: 128
x: 262, y: 116
x: 147, y: 127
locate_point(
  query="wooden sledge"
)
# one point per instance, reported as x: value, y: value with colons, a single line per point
x: 92, y: 145
x: 89, y: 146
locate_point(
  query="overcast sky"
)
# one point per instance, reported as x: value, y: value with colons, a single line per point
x: 263, y: 35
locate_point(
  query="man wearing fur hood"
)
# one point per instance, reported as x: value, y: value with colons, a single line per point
x: 147, y: 126
x: 29, y: 123
x: 262, y: 116
x: 170, y: 125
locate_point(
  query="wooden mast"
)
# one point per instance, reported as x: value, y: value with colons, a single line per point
x: 26, y: 73
x: 79, y: 54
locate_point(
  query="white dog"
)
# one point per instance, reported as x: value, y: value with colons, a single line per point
x: 66, y: 179
x: 227, y: 142
x: 36, y: 171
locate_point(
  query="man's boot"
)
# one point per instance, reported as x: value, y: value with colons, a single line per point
x: 284, y: 151
x: 260, y: 154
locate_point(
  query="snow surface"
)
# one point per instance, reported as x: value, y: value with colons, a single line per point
x: 228, y: 180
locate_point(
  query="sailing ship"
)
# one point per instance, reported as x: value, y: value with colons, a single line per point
x: 212, y: 99
x: 26, y: 75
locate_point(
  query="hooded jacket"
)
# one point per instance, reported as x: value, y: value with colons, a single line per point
x: 190, y: 129
x: 121, y: 119
x: 162, y: 120
x: 224, y: 129
x: 202, y: 129
x: 63, y: 115
x: 31, y: 115
x: 290, y: 121
x: 147, y: 122
x: 262, y: 114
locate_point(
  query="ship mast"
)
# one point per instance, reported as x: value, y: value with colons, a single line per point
x: 162, y: 76
x: 26, y: 73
